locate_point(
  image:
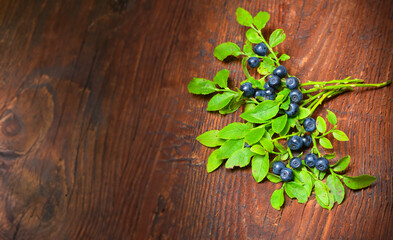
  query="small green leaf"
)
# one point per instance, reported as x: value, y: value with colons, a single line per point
x: 325, y: 143
x: 229, y: 147
x: 261, y: 19
x: 201, y: 86
x: 214, y: 162
x: 240, y: 158
x: 296, y: 190
x: 267, y: 144
x: 331, y: 117
x: 233, y: 105
x: 286, y: 129
x: 260, y: 167
x: 279, y: 123
x: 277, y: 199
x: 253, y: 36
x: 221, y: 78
x: 277, y: 37
x: 321, y: 124
x: 358, y: 182
x: 233, y: 131
x: 219, y: 101
x: 243, y: 17
x: 258, y: 149
x: 303, y: 113
x: 210, y: 139
x: 227, y: 49
x: 284, y: 57
x: 254, y: 135
x: 342, y: 164
x: 305, y: 179
x: 273, y: 178
x: 322, y: 192
x: 280, y: 147
x: 264, y: 111
x: 284, y: 156
x: 247, y: 49
x: 255, y: 83
x: 336, y: 187
x: 330, y: 156
x: 299, y: 127
x: 340, y: 135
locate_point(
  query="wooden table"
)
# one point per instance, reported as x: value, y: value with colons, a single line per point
x: 98, y: 129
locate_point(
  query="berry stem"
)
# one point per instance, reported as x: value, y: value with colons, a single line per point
x: 290, y: 152
x: 341, y: 86
x: 286, y: 136
x: 346, y: 80
x: 315, y: 147
x: 326, y: 133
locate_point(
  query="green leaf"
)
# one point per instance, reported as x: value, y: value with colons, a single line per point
x: 214, y: 161
x: 303, y: 113
x: 261, y: 19
x: 322, y: 192
x: 243, y: 17
x: 234, y: 131
x: 258, y: 149
x: 279, y: 123
x: 277, y: 37
x: 286, y: 129
x: 227, y: 49
x: 260, y: 167
x: 325, y: 143
x: 221, y: 78
x: 253, y: 36
x: 210, y: 139
x: 264, y: 111
x: 201, y: 86
x: 229, y: 147
x: 254, y: 135
x: 267, y: 144
x: 247, y: 49
x: 255, y: 83
x: 273, y: 178
x: 304, y: 178
x: 249, y: 106
x: 284, y: 57
x: 280, y: 147
x: 219, y: 101
x: 331, y: 117
x: 233, y: 105
x: 340, y: 135
x: 240, y: 158
x: 321, y: 124
x: 342, y: 164
x: 330, y: 156
x: 358, y: 182
x: 336, y: 187
x: 296, y: 190
x: 277, y: 199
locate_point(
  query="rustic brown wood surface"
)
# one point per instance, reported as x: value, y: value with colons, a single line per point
x: 98, y: 129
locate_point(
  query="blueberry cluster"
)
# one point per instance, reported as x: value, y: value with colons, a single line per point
x: 259, y: 49
x: 311, y: 160
x: 296, y: 143
x: 285, y: 173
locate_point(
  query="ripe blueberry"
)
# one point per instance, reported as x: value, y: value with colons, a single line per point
x: 271, y: 96
x: 280, y: 71
x: 295, y: 143
x: 310, y: 159
x: 269, y: 91
x: 277, y: 166
x: 253, y: 62
x: 296, y: 96
x: 286, y: 174
x: 266, y: 86
x: 322, y: 164
x: 295, y: 163
x: 274, y: 81
x: 259, y: 93
x: 292, y: 83
x: 292, y: 110
x: 309, y: 124
x: 246, y: 145
x: 307, y: 141
x: 260, y: 49
x: 247, y: 89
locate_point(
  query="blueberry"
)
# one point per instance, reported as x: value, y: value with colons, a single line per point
x: 260, y: 49
x: 309, y: 124
x: 253, y: 62
x: 295, y: 163
x: 246, y: 145
x: 296, y: 96
x: 259, y: 93
x: 277, y: 166
x: 310, y: 159
x: 322, y: 164
x: 295, y: 143
x: 292, y: 83
x: 269, y: 91
x: 292, y: 110
x: 286, y: 174
x: 247, y: 89
x: 274, y: 81
x: 280, y: 71
x: 266, y: 86
x: 271, y: 96
x: 307, y: 141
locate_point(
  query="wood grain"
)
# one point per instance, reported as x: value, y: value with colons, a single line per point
x: 98, y: 129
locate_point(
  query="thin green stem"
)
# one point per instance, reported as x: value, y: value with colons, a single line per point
x: 347, y: 80
x: 326, y: 133
x: 315, y: 147
x: 286, y: 136
x: 290, y: 152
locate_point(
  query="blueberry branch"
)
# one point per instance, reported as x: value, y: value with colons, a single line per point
x: 267, y: 44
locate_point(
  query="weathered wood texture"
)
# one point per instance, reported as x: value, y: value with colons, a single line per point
x: 98, y: 130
